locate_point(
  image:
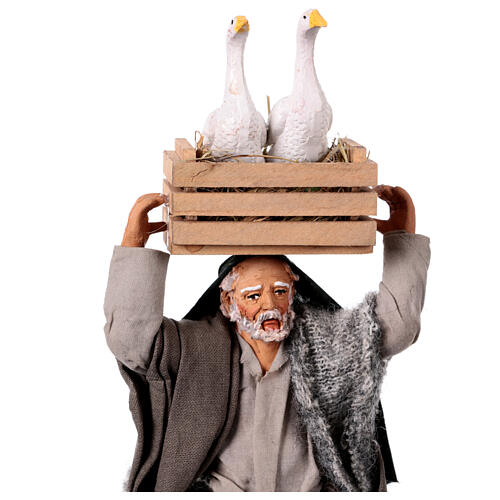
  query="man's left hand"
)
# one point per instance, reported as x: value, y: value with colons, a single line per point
x: 402, y: 210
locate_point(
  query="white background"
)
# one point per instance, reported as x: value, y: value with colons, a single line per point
x: 91, y: 94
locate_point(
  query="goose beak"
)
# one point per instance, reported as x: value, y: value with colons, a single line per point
x: 241, y: 24
x: 316, y: 21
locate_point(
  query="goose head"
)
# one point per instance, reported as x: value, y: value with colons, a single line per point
x: 238, y: 28
x: 309, y: 23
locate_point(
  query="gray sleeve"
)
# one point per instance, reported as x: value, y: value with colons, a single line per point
x: 402, y: 291
x: 133, y: 304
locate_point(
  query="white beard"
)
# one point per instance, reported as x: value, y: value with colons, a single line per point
x: 254, y: 328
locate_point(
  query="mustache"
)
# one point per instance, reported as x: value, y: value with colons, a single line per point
x: 254, y: 328
x: 272, y: 314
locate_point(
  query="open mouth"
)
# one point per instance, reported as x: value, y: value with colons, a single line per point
x: 271, y: 324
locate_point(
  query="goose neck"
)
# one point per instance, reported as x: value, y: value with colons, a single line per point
x: 305, y: 72
x: 235, y: 75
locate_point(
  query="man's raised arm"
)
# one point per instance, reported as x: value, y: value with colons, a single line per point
x: 133, y: 305
x: 406, y: 259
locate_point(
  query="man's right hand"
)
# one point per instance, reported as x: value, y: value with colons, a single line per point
x: 138, y: 226
x: 402, y: 209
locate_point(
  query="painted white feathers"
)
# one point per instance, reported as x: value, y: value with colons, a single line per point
x: 236, y: 127
x: 298, y: 124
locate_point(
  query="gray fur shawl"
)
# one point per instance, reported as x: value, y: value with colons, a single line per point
x: 336, y: 375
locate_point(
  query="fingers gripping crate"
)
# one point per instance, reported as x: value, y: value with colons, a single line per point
x: 269, y: 208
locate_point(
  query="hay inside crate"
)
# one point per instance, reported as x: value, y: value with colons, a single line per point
x: 269, y: 208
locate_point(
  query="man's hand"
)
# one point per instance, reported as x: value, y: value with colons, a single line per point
x: 138, y: 227
x: 402, y: 210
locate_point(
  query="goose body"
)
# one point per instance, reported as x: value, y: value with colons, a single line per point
x: 298, y: 123
x: 236, y: 127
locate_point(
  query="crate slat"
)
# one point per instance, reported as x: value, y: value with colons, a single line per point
x: 287, y: 233
x: 271, y: 204
x: 265, y: 250
x: 227, y: 174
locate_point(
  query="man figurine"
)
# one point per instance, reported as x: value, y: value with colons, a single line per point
x: 267, y: 384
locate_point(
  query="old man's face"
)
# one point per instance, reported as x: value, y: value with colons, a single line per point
x: 258, y: 296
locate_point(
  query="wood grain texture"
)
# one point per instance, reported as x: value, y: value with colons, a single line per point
x: 194, y: 237
x: 355, y: 151
x: 170, y: 158
x: 184, y: 149
x: 209, y: 174
x: 288, y: 233
x: 264, y: 250
x: 271, y: 204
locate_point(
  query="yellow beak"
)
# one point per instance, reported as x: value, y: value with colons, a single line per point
x: 316, y: 21
x: 241, y: 24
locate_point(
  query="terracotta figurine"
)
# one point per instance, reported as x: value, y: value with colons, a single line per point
x: 266, y: 384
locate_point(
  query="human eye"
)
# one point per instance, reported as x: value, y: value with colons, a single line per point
x: 280, y: 291
x: 253, y: 296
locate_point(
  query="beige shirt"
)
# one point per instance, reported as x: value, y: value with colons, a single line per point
x: 266, y: 451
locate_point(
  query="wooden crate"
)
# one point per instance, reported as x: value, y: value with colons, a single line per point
x: 188, y: 235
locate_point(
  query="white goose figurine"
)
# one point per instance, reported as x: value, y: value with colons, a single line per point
x: 236, y: 127
x: 298, y: 124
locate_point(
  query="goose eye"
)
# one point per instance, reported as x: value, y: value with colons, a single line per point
x: 305, y: 17
x: 232, y: 21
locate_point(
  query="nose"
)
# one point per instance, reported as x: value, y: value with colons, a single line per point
x: 268, y: 300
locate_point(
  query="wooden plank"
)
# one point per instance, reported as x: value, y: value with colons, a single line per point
x: 265, y: 250
x: 184, y: 149
x: 355, y: 151
x: 271, y: 204
x: 169, y: 159
x: 288, y: 233
x: 228, y: 174
x: 169, y: 190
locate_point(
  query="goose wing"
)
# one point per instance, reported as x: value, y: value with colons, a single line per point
x: 328, y: 112
x: 209, y: 129
x: 277, y: 119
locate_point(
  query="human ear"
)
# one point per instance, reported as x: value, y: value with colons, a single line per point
x: 225, y: 302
